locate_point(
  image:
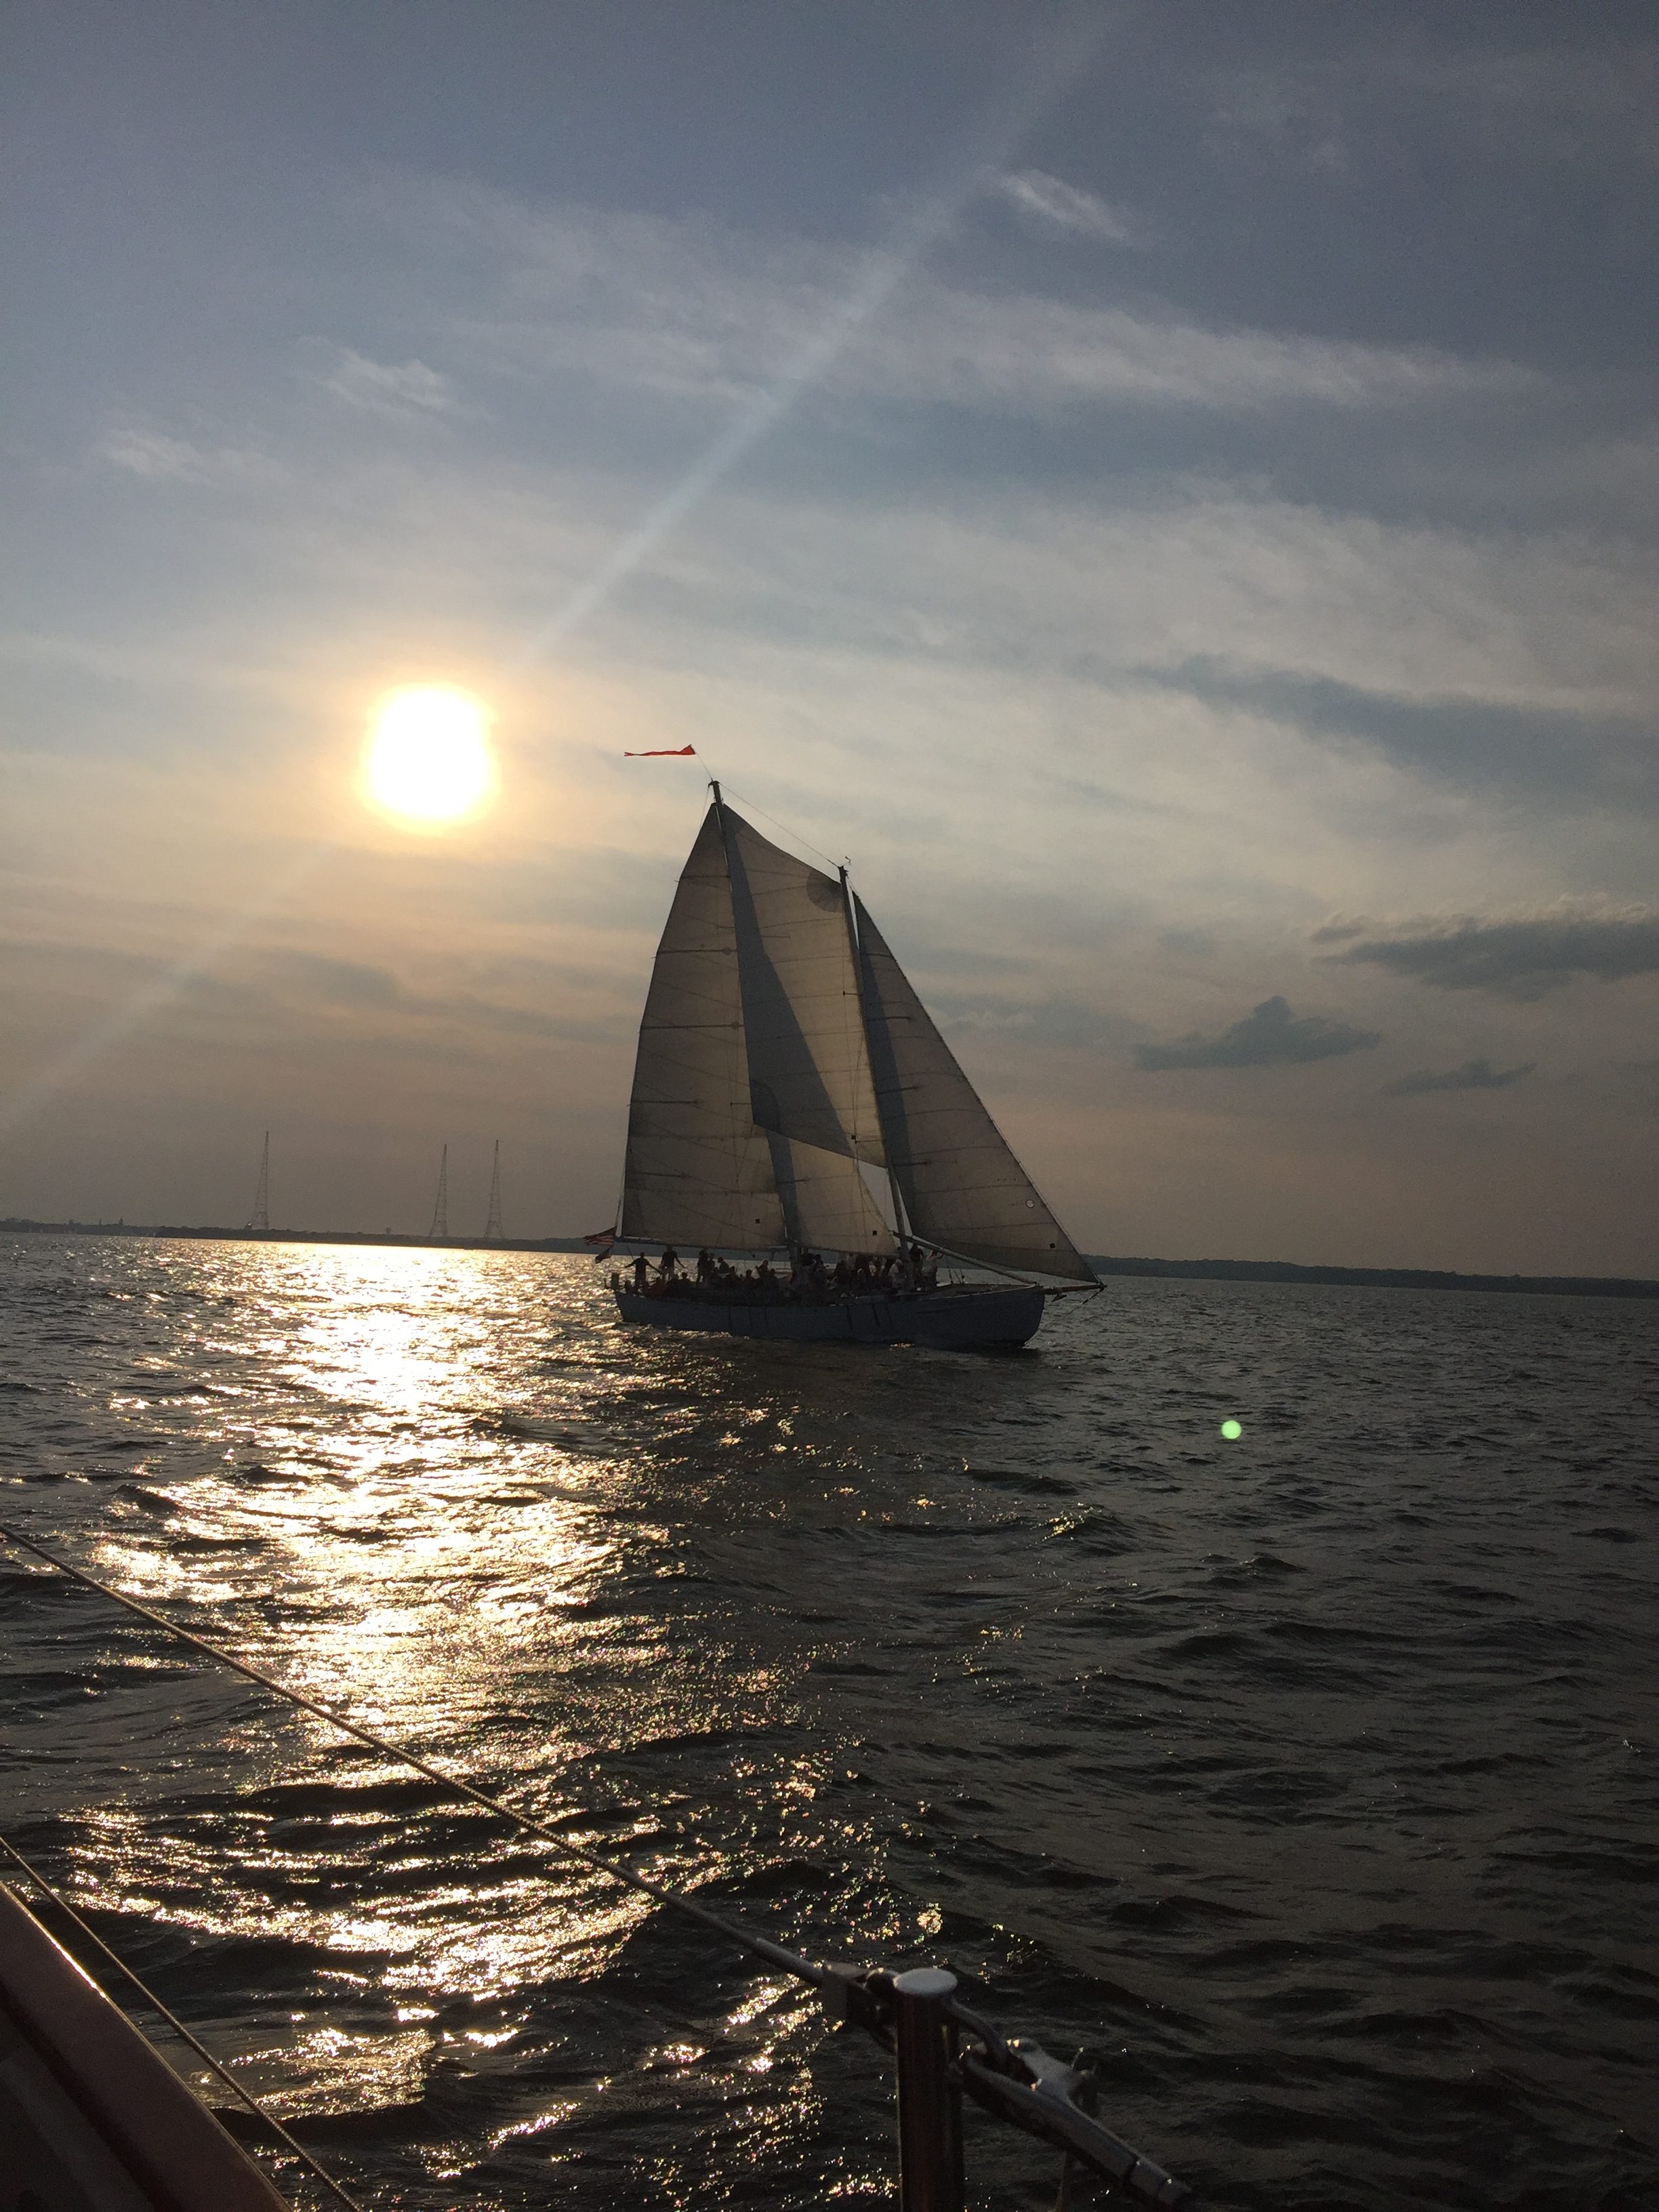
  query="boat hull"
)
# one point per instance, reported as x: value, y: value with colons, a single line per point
x: 994, y: 1318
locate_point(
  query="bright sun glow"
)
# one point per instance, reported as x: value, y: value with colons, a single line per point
x: 428, y: 761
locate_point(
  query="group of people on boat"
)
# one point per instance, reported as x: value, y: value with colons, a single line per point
x: 810, y: 1279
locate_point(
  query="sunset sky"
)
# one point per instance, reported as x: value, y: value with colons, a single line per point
x: 1169, y: 489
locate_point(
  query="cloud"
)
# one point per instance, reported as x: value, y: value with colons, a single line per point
x: 1473, y: 1075
x: 1056, y: 205
x: 1029, y: 355
x: 1519, y: 959
x: 321, y: 980
x: 402, y: 391
x: 692, y: 309
x: 161, y: 460
x: 338, y: 983
x: 1564, y: 101
x: 1271, y: 1035
x: 1295, y: 114
x: 1466, y: 739
x: 1569, y: 100
x: 1060, y: 1019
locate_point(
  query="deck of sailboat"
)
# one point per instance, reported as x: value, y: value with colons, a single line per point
x: 963, y: 1316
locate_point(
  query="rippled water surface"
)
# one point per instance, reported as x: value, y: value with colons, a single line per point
x: 1309, y: 1779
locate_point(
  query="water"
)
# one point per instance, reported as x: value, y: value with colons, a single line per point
x: 1308, y: 1778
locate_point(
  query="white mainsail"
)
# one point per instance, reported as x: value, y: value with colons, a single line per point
x: 962, y: 1186
x: 780, y: 1050
x: 753, y: 1099
x: 698, y: 1171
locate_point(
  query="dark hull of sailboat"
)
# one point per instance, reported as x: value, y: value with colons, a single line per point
x: 965, y: 1320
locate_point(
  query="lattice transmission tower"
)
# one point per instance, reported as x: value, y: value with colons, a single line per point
x: 493, y: 1231
x: 260, y: 1221
x: 441, y: 1211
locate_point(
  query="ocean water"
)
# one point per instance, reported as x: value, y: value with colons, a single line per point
x: 1310, y: 1778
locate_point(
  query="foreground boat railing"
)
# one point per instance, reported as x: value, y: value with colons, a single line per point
x: 942, y: 2050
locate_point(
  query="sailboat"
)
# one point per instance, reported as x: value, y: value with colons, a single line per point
x: 792, y: 1097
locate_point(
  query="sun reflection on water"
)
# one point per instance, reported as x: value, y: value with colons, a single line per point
x: 442, y: 1493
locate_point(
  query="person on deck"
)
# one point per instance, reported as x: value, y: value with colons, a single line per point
x: 641, y: 1272
x: 669, y: 1265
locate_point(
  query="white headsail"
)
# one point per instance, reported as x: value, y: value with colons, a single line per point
x: 827, y: 1204
x: 962, y: 1186
x: 809, y: 1065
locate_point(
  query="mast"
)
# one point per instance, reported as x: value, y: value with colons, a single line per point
x: 900, y: 1231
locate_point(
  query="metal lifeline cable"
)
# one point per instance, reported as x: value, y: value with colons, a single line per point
x: 775, y: 1953
x: 245, y: 2096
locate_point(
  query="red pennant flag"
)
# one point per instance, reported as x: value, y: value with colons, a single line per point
x: 665, y: 752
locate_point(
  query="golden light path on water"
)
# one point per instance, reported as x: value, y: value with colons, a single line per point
x: 372, y: 1535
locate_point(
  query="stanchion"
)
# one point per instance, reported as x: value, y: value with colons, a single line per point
x: 929, y: 2092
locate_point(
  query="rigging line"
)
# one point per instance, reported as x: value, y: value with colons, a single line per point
x: 220, y: 2073
x: 967, y: 1259
x: 788, y: 832
x: 762, y: 1946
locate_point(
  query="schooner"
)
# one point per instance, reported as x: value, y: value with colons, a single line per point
x: 792, y: 1097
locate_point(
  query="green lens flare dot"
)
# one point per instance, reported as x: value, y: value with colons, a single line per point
x: 1232, y: 1430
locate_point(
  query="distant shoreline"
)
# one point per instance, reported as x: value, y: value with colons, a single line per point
x: 1377, y: 1279
x: 1193, y: 1271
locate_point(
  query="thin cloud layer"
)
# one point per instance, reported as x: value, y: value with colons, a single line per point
x: 155, y: 458
x: 694, y: 309
x: 1474, y: 1075
x: 1518, y: 959
x: 1515, y: 745
x: 1270, y: 1035
x: 1053, y: 204
x: 401, y: 390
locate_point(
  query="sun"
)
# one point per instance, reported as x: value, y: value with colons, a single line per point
x: 428, y: 762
